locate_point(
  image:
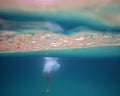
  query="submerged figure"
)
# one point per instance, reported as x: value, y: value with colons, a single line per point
x: 51, y: 64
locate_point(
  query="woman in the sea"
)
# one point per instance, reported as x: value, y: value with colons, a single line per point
x: 51, y: 64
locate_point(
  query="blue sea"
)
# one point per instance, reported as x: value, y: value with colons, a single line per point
x: 82, y: 72
x: 79, y: 75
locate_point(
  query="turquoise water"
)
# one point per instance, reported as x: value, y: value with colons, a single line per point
x: 107, y: 51
x: 60, y: 22
x: 97, y: 75
x: 77, y: 77
x: 83, y: 72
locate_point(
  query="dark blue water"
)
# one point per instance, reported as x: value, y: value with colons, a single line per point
x: 77, y: 76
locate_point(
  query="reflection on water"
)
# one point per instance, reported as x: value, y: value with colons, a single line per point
x: 9, y: 41
x: 52, y: 30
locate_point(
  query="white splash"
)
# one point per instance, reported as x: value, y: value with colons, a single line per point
x: 51, y: 64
